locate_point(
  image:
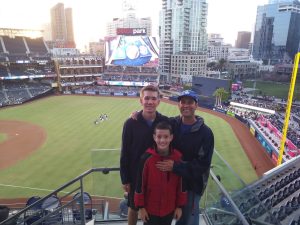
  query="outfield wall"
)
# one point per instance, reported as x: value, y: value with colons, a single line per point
x: 83, y: 92
x: 266, y: 142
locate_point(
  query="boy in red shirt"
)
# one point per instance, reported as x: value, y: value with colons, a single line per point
x: 159, y: 194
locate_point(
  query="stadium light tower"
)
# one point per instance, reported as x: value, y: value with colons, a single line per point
x: 288, y: 107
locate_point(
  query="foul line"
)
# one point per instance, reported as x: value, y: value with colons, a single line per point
x: 105, y: 149
x: 30, y: 188
x: 49, y: 190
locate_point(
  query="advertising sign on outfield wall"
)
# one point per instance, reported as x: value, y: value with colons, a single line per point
x: 230, y: 114
x: 220, y: 110
x: 252, y: 130
x: 274, y: 157
x: 265, y: 144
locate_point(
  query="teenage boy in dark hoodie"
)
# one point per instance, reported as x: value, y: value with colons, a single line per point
x: 136, y: 139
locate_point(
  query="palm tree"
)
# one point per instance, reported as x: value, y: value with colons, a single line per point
x: 222, y: 63
x: 212, y: 65
x: 221, y: 95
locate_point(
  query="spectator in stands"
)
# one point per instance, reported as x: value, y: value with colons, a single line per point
x: 136, y: 139
x: 153, y: 183
x: 196, y: 142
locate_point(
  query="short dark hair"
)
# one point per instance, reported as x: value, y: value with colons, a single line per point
x: 164, y: 125
x: 149, y: 87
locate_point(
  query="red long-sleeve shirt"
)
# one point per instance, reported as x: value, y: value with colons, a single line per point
x: 160, y: 193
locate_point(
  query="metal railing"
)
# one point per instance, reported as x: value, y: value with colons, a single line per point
x: 229, y: 200
x: 59, y: 213
x: 233, y: 190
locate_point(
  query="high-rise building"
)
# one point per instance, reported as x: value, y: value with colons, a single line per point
x: 216, y: 49
x: 58, y: 22
x: 69, y: 25
x: 277, y: 33
x: 243, y: 39
x: 183, y: 40
x: 214, y: 38
x: 62, y: 26
x: 279, y: 1
x: 97, y: 48
x: 129, y: 21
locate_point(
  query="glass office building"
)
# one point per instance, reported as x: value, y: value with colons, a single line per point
x: 182, y: 33
x: 279, y: 1
x: 277, y: 33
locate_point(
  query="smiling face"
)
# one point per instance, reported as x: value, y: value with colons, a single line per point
x: 162, y: 138
x: 149, y: 101
x: 187, y: 107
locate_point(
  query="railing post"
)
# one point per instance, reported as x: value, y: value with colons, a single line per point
x: 76, y: 201
x: 205, y: 198
x: 232, y: 203
x: 82, y: 208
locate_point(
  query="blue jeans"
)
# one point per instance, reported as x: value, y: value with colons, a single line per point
x: 190, y: 212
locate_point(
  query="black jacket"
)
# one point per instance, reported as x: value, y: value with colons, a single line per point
x: 197, y: 148
x: 136, y: 139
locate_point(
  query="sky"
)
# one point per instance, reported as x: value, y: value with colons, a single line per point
x: 226, y: 17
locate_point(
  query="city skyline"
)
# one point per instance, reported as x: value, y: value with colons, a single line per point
x: 90, y: 17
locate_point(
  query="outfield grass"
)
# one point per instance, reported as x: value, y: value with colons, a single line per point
x: 279, y: 90
x: 72, y: 138
x: 2, y: 137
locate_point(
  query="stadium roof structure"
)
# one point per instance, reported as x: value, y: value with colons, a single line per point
x: 11, y: 32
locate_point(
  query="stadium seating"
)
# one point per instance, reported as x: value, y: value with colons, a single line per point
x: 36, y: 46
x: 35, y: 212
x: 278, y: 193
x: 15, y: 45
x: 3, y: 58
x: 4, y: 211
x: 16, y: 92
x: 274, y: 198
x: 19, y: 58
x: 87, y: 199
x: 3, y: 71
x: 1, y: 48
x: 49, y: 207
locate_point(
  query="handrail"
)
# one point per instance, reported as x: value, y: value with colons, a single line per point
x: 232, y: 203
x: 230, y: 168
x: 80, y: 201
x: 245, y: 220
x: 78, y: 178
x: 254, y: 221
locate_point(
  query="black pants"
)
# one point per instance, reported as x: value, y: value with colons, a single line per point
x: 157, y: 220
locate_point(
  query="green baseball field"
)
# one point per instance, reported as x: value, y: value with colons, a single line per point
x: 74, y: 144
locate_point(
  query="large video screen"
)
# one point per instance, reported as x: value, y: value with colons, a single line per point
x: 131, y: 51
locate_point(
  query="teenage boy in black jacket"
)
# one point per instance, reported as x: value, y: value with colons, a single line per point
x: 136, y: 139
